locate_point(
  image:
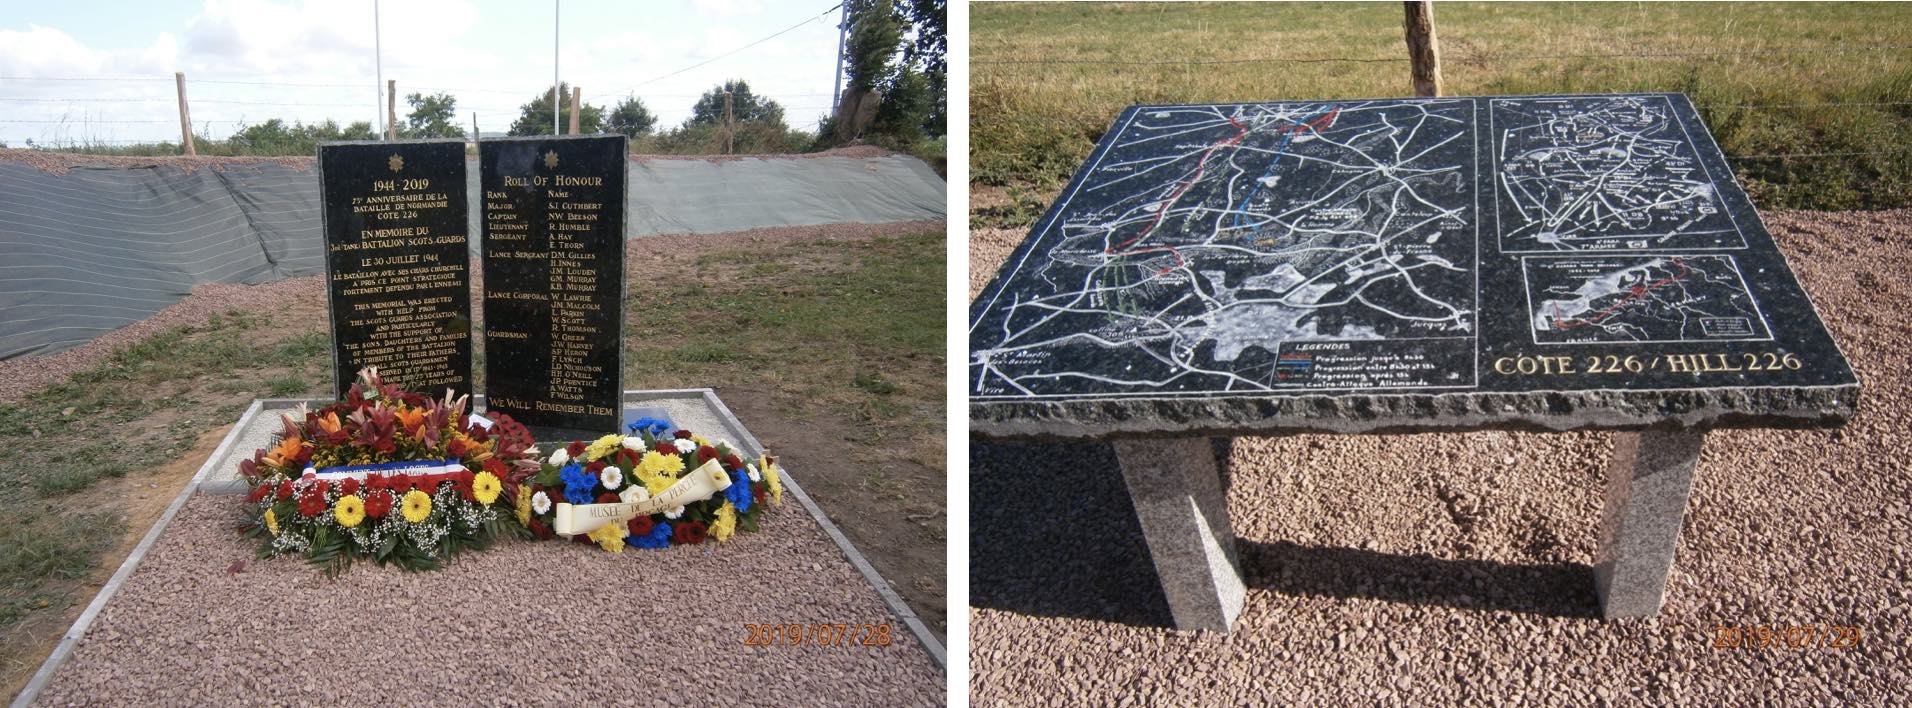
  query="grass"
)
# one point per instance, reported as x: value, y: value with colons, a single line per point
x: 853, y: 325
x: 142, y: 407
x: 1031, y: 125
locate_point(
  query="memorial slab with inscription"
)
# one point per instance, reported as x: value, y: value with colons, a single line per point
x: 553, y: 247
x: 398, y: 272
x: 1396, y: 265
x: 1404, y: 264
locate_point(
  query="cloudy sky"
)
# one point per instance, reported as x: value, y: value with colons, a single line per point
x: 80, y: 70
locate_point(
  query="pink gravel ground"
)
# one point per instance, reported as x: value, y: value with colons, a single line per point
x: 526, y: 623
x: 1449, y: 568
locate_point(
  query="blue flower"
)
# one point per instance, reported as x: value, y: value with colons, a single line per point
x: 577, y: 483
x: 739, y: 491
x: 654, y: 426
x: 659, y: 537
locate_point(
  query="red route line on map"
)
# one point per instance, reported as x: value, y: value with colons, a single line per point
x: 1637, y: 292
x: 1201, y: 168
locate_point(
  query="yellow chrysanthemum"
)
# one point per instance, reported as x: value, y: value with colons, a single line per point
x: 524, y: 505
x: 609, y: 536
x: 725, y: 524
x: 485, y: 487
x: 349, y: 511
x: 699, y: 439
x: 772, y: 478
x: 660, y: 463
x: 417, y: 506
x: 272, y: 522
x: 604, y: 446
x: 653, y: 482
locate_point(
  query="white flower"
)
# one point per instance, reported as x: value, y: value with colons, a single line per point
x: 560, y: 457
x: 755, y: 476
x: 674, y: 513
x: 633, y: 442
x: 540, y: 503
x: 685, y: 445
x: 611, y: 478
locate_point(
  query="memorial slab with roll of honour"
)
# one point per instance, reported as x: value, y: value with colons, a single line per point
x: 1543, y: 263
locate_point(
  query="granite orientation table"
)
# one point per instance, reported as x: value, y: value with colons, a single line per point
x: 1542, y: 263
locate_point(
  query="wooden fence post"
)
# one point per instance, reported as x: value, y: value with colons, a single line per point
x: 185, y: 116
x: 1423, y: 53
x: 391, y: 109
x: 577, y: 95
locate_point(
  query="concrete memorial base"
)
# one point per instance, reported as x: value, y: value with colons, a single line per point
x: 1182, y: 506
x: 192, y: 617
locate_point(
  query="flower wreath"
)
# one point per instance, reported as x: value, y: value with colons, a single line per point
x: 387, y: 475
x: 646, y: 464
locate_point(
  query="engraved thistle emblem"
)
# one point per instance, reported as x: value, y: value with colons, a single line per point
x: 551, y: 159
x: 396, y: 163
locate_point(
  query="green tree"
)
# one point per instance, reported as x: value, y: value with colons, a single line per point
x: 534, y: 118
x: 876, y: 31
x: 434, y: 116
x: 630, y: 117
x: 745, y: 107
x: 927, y: 53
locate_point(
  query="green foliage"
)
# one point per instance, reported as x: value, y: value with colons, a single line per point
x: 434, y: 116
x: 908, y: 103
x: 926, y: 54
x: 751, y: 139
x: 631, y: 118
x: 534, y: 118
x: 745, y: 107
x: 876, y: 33
x: 275, y: 137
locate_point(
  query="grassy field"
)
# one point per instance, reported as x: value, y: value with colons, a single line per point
x: 1047, y: 78
x: 847, y: 351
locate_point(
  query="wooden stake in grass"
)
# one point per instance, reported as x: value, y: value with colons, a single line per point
x: 391, y: 109
x: 577, y: 95
x: 1422, y: 51
x: 185, y: 117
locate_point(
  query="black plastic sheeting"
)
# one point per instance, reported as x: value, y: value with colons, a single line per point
x: 87, y: 252
x: 98, y: 248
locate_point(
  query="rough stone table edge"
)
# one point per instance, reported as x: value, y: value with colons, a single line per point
x: 1351, y: 413
x: 71, y: 640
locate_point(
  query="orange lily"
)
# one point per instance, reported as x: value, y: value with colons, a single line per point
x: 287, y: 450
x: 411, y: 420
x: 330, y: 423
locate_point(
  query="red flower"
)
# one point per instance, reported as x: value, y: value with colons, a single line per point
x: 463, y: 484
x: 400, y: 483
x: 378, y: 504
x: 575, y: 449
x: 595, y: 467
x: 258, y: 493
x: 539, y: 529
x: 640, y: 526
x: 608, y: 498
x: 349, y: 486
x: 757, y: 494
x: 688, y: 532
x: 681, y: 435
x: 249, y: 468
x: 321, y: 487
x: 496, y: 467
x: 705, y: 454
x: 311, y: 505
x: 625, y: 458
x: 456, y: 448
x: 665, y: 446
x: 285, y: 490
x: 732, y: 461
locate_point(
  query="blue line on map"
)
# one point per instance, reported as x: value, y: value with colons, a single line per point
x: 1288, y: 137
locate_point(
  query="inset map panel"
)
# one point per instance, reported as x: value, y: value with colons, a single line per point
x: 1674, y: 298
x: 1602, y: 173
x: 1205, y: 242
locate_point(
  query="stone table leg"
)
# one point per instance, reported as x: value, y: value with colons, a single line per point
x: 1178, y: 495
x: 1647, y: 487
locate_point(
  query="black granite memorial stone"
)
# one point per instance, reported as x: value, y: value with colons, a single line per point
x: 554, y: 281
x: 1548, y: 262
x: 398, y: 262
